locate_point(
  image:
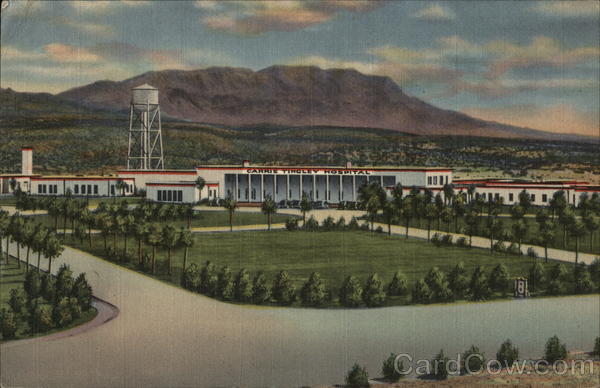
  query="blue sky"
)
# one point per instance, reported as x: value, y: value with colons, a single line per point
x: 534, y: 64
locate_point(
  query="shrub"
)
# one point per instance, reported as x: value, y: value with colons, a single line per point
x: 47, y: 284
x: 436, y: 239
x: 75, y: 308
x: 341, y: 224
x: 462, y: 242
x: 364, y: 226
x: 537, y: 277
x: 351, y: 292
x: 284, y: 291
x: 61, y: 314
x: 554, y: 350
x: 353, y: 224
x: 242, y: 286
x: 379, y: 229
x: 357, y: 377
x: 16, y: 301
x: 479, y: 285
x: 82, y: 291
x: 208, y: 279
x: 225, y: 284
x: 499, y: 246
x: 328, y: 223
x: 440, y: 366
x: 32, y: 285
x: 596, y: 350
x: 583, y: 282
x: 313, y: 292
x: 373, y: 293
x: 507, y: 354
x: 473, y: 360
x: 291, y: 224
x: 514, y: 249
x: 421, y: 292
x: 500, y: 279
x: 64, y: 282
x: 388, y: 369
x: 594, y: 270
x: 438, y: 285
x: 40, y: 319
x: 556, y: 287
x: 532, y: 253
x: 8, y: 324
x: 191, y: 278
x: 458, y: 281
x: 261, y: 290
x: 446, y: 240
x: 311, y: 224
x: 398, y: 286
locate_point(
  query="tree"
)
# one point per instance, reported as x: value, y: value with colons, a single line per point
x: 472, y: 221
x: 16, y: 300
x: 566, y: 218
x: 261, y: 292
x: 140, y: 230
x: 8, y: 322
x: 29, y: 236
x: 500, y: 279
x: 547, y: 236
x: 40, y: 319
x: 373, y: 293
x: 225, y: 284
x: 406, y: 212
x: 479, y: 285
x: 440, y: 366
x: 577, y: 230
x: 32, y: 285
x: 4, y: 230
x: 556, y: 280
x: 389, y: 214
x: 524, y: 200
x: 537, y: 277
x: 459, y: 209
x: 186, y: 241
x: 52, y: 249
x: 305, y: 207
x: 357, y: 377
x: 458, y: 281
x: 230, y: 205
x: 351, y: 292
x: 582, y: 279
x: 592, y: 224
x: 555, y: 350
x: 519, y: 229
x: 121, y: 186
x: 438, y: 285
x: 596, y: 350
x: 507, y: 354
x: 200, y: 183
x: 153, y: 238
x: 472, y: 360
x: 313, y: 292
x: 421, y: 292
x: 284, y: 291
x: 268, y: 208
x: 61, y: 313
x: 431, y: 214
x: 390, y: 370
x: 447, y: 215
x: 398, y: 286
x: 209, y: 279
x: 448, y: 190
x: 495, y: 229
x: 242, y: 286
x: 82, y: 291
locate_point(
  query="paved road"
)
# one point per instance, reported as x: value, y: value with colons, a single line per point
x: 166, y: 337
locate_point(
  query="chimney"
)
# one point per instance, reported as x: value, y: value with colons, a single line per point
x: 348, y: 164
x: 27, y: 161
x: 246, y: 163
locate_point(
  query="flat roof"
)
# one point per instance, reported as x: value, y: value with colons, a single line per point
x: 333, y: 168
x: 79, y: 178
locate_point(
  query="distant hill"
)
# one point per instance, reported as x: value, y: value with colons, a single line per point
x: 294, y: 96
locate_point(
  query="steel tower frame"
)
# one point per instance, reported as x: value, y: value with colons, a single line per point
x: 145, y: 146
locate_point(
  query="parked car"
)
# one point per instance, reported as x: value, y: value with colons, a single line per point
x: 319, y: 205
x: 294, y: 204
x: 282, y: 204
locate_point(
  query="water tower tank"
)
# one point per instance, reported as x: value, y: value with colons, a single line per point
x: 144, y: 94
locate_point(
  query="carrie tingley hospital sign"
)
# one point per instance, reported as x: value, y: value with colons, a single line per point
x: 301, y: 171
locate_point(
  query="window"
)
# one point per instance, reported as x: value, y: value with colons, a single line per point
x: 532, y: 197
x: 180, y: 196
x: 82, y: 189
x: 496, y: 196
x: 89, y: 190
x: 544, y: 197
x: 76, y: 189
x: 55, y: 189
x: 39, y: 188
x: 159, y: 195
x: 95, y: 189
x: 511, y: 197
x: 441, y: 179
x: 435, y: 180
x: 169, y: 195
x: 489, y: 196
x: 429, y: 180
x: 112, y: 189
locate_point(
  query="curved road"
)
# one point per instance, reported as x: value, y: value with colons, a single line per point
x: 166, y: 336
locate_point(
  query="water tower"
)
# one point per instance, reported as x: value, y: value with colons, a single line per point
x: 145, y: 137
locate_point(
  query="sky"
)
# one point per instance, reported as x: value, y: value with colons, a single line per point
x: 532, y: 64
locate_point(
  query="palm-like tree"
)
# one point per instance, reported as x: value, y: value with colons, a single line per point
x: 390, y: 212
x: 121, y: 186
x: 446, y: 216
x: 519, y: 229
x: 140, y: 228
x: 268, y: 208
x: 52, y: 249
x: 472, y: 222
x: 200, y: 183
x: 189, y: 213
x: 39, y: 242
x: 230, y: 204
x: 406, y: 212
x: 448, y: 193
x: 495, y: 228
x: 305, y: 207
x: 547, y: 235
x: 105, y: 223
x: 577, y: 230
x: 127, y: 230
x: 430, y: 213
x: 54, y: 210
x: 4, y: 224
x: 591, y: 224
x: 459, y: 209
x: 186, y: 241
x: 372, y: 206
x: 169, y: 241
x: 567, y: 218
x: 28, y: 235
x: 153, y: 239
x: 14, y: 230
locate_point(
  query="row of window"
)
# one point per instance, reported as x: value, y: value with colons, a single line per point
x: 511, y: 197
x: 170, y: 195
x: 433, y: 180
x: 47, y: 189
x: 85, y: 189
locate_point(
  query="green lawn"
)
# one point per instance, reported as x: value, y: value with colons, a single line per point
x: 334, y: 255
x: 205, y: 218
x: 13, y: 277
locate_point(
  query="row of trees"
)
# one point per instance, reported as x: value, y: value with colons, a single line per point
x: 45, y: 302
x: 472, y: 361
x: 24, y: 232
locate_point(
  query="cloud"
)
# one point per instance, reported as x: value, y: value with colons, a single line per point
x: 256, y: 17
x: 568, y: 8
x: 11, y: 53
x: 435, y: 12
x: 70, y: 54
x: 103, y: 7
x: 562, y: 118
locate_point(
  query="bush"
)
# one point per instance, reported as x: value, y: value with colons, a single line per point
x: 594, y: 270
x: 191, y: 278
x: 284, y: 291
x: 16, y: 300
x: 379, y: 229
x: 75, y: 308
x: 357, y: 377
x: 341, y: 224
x: 8, y: 324
x: 555, y: 350
x: 499, y: 246
x: 261, y: 290
x: 462, y: 242
x: 388, y: 369
x: 32, y: 285
x: 473, y: 360
x: 40, y: 319
x: 353, y: 225
x: 328, y: 223
x: 82, y: 291
x: 582, y: 279
x: 458, y: 281
x: 514, y: 249
x: 364, y: 226
x: 47, y: 284
x: 556, y: 287
x: 398, y: 286
x: 440, y: 366
x: 61, y: 314
x: 446, y: 240
x: 537, y: 277
x: 507, y: 354
x: 479, y: 285
x: 208, y: 279
x: 532, y: 253
x: 596, y: 350
x: 351, y: 292
x: 438, y: 285
x: 225, y: 284
x: 291, y: 224
x: 373, y: 293
x: 500, y: 279
x: 242, y: 286
x: 436, y: 239
x: 421, y: 292
x: 313, y: 292
x: 311, y: 224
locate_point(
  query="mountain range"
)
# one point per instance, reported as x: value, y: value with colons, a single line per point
x: 289, y: 96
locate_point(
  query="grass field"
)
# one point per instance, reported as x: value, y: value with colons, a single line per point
x: 334, y: 255
x: 204, y: 218
x: 13, y: 277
